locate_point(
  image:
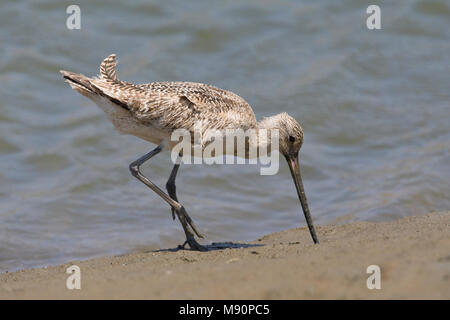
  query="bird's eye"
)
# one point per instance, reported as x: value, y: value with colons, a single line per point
x: 291, y: 139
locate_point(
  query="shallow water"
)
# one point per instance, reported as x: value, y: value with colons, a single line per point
x: 374, y: 106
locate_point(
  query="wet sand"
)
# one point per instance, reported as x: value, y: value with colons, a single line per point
x: 413, y: 254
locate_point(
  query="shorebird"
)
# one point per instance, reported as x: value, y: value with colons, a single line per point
x: 155, y: 110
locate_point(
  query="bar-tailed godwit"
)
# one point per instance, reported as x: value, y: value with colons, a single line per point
x: 153, y: 111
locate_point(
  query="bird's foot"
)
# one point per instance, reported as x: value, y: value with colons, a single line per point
x: 183, y: 213
x: 193, y: 244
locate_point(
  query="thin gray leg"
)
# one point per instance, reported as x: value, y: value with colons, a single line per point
x: 179, y: 209
x: 170, y: 186
x: 172, y: 191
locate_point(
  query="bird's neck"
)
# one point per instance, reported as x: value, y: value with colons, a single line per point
x: 267, y: 132
x: 269, y: 123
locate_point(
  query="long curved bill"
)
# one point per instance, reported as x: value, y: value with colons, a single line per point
x: 295, y: 172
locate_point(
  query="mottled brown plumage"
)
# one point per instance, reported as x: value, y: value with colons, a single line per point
x: 173, y: 105
x: 153, y: 111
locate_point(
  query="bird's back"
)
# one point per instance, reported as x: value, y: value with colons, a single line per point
x: 175, y: 105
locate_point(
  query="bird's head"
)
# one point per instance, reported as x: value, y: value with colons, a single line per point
x: 290, y: 134
x: 290, y: 141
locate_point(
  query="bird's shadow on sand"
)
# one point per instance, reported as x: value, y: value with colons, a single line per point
x: 214, y: 246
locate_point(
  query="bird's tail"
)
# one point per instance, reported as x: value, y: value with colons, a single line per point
x: 79, y: 83
x: 85, y: 85
x: 108, y: 68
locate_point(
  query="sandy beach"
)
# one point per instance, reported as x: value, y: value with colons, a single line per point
x: 413, y: 254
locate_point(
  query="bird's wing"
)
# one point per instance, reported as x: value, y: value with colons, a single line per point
x: 200, y: 104
x: 175, y: 105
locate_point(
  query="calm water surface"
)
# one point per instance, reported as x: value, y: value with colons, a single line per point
x: 375, y: 107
